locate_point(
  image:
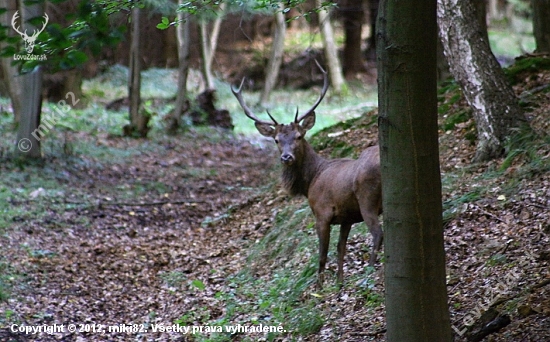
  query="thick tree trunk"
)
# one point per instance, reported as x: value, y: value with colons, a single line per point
x: 415, y: 285
x: 30, y: 131
x: 331, y: 52
x: 481, y: 15
x: 495, y: 107
x: 541, y: 24
x: 13, y: 82
x: 353, y: 16
x: 138, y: 121
x: 182, y: 32
x: 276, y: 58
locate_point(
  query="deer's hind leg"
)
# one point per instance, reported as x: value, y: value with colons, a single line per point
x: 369, y: 211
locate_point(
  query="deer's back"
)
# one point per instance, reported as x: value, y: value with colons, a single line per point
x: 334, y: 194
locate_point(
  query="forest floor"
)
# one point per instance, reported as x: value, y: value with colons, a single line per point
x: 195, y: 230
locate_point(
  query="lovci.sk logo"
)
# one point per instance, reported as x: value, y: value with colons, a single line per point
x: 30, y: 41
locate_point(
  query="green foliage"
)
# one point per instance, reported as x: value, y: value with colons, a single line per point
x: 326, y: 138
x: 526, y: 148
x: 497, y: 259
x: 196, y: 283
x: 527, y: 65
x: 89, y: 31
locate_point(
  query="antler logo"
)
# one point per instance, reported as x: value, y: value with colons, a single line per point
x: 29, y: 40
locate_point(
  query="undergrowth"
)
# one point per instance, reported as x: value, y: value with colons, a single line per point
x: 278, y: 285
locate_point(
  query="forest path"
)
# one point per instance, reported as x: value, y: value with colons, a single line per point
x: 151, y: 226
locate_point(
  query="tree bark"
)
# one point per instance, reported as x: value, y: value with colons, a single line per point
x: 209, y: 42
x: 11, y: 73
x: 331, y: 52
x: 494, y: 104
x: 213, y: 41
x: 480, y: 8
x: 138, y: 121
x: 30, y: 132
x: 184, y: 43
x: 541, y: 25
x: 352, y: 16
x: 72, y: 84
x: 276, y: 58
x: 205, y: 52
x: 415, y: 286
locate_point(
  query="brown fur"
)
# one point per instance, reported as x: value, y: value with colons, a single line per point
x: 339, y: 191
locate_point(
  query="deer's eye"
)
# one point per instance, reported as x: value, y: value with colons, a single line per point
x: 298, y: 137
x: 276, y: 140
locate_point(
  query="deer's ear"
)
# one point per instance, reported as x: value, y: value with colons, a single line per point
x: 308, y: 121
x: 265, y: 129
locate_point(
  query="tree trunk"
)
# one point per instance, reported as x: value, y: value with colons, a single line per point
x: 331, y: 52
x: 14, y: 83
x: 495, y: 107
x: 138, y: 120
x: 73, y: 85
x: 415, y: 285
x: 373, y: 14
x: 494, y: 12
x: 276, y: 58
x: 353, y: 15
x: 30, y: 131
x: 209, y: 43
x: 213, y: 42
x: 205, y: 52
x: 182, y: 32
x: 541, y: 25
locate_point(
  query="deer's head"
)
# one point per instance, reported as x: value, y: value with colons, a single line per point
x: 289, y: 138
x: 29, y: 40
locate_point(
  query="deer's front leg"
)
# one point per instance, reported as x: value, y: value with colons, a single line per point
x: 344, y: 233
x: 323, y: 233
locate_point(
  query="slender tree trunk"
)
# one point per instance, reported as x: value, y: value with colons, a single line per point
x: 353, y: 16
x: 276, y: 58
x: 494, y: 12
x: 205, y: 52
x: 138, y: 121
x: 373, y: 14
x: 494, y: 104
x: 331, y: 52
x: 415, y: 285
x: 215, y: 34
x: 182, y: 32
x: 541, y: 24
x: 73, y: 85
x: 209, y: 42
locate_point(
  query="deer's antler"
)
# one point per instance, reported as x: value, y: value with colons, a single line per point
x: 238, y: 94
x: 323, y: 92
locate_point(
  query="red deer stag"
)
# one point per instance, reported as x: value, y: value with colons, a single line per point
x: 339, y: 191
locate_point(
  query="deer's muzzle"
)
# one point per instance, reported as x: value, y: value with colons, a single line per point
x: 287, y: 158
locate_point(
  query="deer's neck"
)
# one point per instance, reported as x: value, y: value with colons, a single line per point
x: 298, y: 177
